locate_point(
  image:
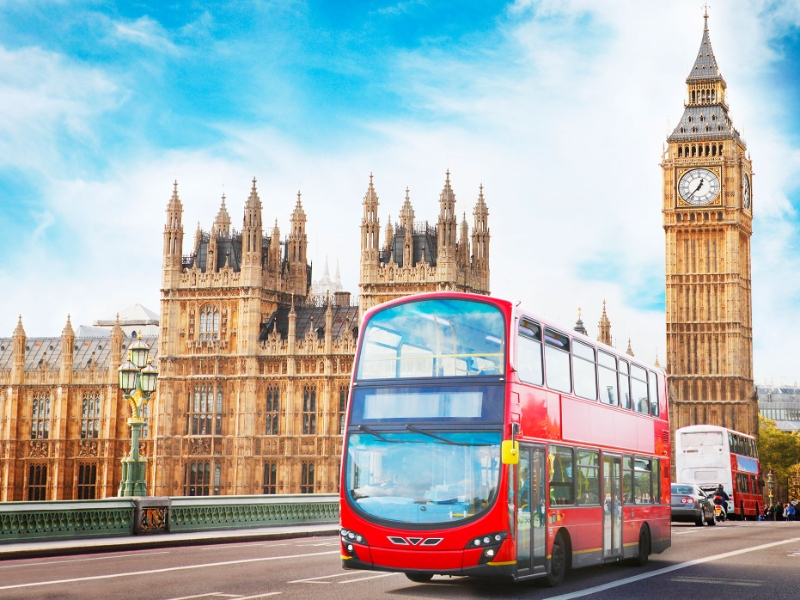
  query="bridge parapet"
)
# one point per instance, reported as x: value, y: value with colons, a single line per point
x: 111, y: 517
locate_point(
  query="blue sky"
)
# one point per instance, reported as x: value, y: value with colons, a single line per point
x: 546, y: 103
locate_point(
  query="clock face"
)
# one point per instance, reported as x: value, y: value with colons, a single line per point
x: 699, y: 187
x: 746, y: 191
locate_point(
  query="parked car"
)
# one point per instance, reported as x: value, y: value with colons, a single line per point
x: 690, y: 503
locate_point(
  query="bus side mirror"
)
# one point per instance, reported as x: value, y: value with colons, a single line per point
x: 510, y: 452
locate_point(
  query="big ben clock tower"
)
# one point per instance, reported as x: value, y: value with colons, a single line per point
x: 708, y: 215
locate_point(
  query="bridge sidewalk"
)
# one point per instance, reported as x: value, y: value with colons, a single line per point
x: 135, y: 542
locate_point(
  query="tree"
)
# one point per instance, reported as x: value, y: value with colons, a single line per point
x: 778, y: 450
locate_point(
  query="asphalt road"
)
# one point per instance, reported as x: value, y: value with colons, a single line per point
x: 731, y: 560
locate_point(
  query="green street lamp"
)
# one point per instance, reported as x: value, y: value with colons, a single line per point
x: 137, y: 380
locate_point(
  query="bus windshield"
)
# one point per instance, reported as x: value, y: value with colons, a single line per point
x: 433, y: 338
x: 697, y: 439
x: 423, y: 475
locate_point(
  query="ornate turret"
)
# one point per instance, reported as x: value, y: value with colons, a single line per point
x: 370, y: 227
x: 604, y: 328
x: 407, y: 222
x: 223, y: 221
x: 18, y: 363
x: 480, y: 242
x: 463, y: 244
x: 629, y: 351
x: 173, y: 240
x: 447, y: 228
x: 67, y: 351
x: 579, y: 325
x: 389, y: 238
x: 298, y: 246
x: 251, y: 237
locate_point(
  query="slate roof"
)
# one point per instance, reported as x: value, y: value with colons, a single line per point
x: 705, y: 65
x: 45, y: 352
x: 706, y: 122
x: 280, y: 320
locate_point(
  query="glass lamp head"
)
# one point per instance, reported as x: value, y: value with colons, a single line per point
x: 138, y: 352
x: 149, y: 378
x: 127, y: 375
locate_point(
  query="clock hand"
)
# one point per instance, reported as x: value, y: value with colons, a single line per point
x: 697, y: 189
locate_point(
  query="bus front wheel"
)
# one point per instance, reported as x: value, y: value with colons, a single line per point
x: 558, y: 563
x: 418, y: 577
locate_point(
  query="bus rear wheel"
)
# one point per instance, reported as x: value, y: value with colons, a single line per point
x: 418, y: 577
x: 558, y: 563
x: 644, y: 548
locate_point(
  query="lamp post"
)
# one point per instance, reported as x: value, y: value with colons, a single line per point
x: 137, y: 380
x: 770, y: 485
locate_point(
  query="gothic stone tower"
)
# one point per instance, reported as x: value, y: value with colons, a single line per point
x: 254, y: 373
x: 417, y: 257
x: 708, y: 214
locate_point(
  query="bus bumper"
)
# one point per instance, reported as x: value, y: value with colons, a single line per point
x: 449, y: 563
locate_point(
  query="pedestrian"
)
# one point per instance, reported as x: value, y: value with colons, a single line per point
x: 770, y: 512
x: 779, y: 512
x: 790, y: 512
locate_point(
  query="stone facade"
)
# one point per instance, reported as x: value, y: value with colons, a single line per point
x: 418, y: 257
x: 707, y: 216
x: 63, y: 422
x: 254, y: 370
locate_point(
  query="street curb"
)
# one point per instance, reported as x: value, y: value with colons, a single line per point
x: 101, y: 545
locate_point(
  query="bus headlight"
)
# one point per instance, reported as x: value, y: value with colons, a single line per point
x: 352, y: 537
x: 492, y: 539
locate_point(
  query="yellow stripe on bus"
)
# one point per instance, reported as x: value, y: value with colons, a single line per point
x: 587, y: 551
x: 502, y: 564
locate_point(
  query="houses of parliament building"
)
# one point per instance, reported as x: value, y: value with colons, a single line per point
x: 254, y: 368
x: 254, y: 365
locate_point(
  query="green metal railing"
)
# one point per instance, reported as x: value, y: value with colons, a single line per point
x: 201, y: 513
x: 75, y: 519
x: 69, y: 519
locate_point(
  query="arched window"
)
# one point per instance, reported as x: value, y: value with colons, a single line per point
x: 205, y: 415
x: 309, y: 410
x: 307, y: 478
x: 272, y: 410
x: 344, y: 392
x: 270, y: 478
x: 40, y: 416
x: 90, y: 415
x: 87, y: 480
x: 37, y: 482
x: 209, y: 323
x: 197, y: 478
x: 680, y: 151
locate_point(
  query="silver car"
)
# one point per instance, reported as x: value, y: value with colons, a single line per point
x: 690, y: 503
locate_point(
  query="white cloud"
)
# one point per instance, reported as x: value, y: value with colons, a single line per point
x: 146, y: 32
x: 42, y: 95
x: 564, y: 131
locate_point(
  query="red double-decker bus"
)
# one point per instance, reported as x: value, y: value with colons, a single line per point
x: 482, y: 440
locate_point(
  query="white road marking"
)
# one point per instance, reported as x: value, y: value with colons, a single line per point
x: 72, y: 560
x: 258, y: 596
x: 229, y: 546
x: 164, y: 570
x: 714, y: 581
x: 210, y: 594
x: 657, y: 572
x: 313, y: 579
x: 370, y: 577
x: 322, y: 544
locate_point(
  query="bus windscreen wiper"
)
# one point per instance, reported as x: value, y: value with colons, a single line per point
x: 371, y: 431
x: 414, y: 429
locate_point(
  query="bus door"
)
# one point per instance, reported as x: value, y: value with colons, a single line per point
x: 531, y: 519
x: 612, y: 506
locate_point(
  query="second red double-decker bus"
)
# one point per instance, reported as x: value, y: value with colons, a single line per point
x: 483, y: 440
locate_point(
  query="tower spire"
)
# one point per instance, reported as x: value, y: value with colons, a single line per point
x: 604, y: 328
x: 579, y: 324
